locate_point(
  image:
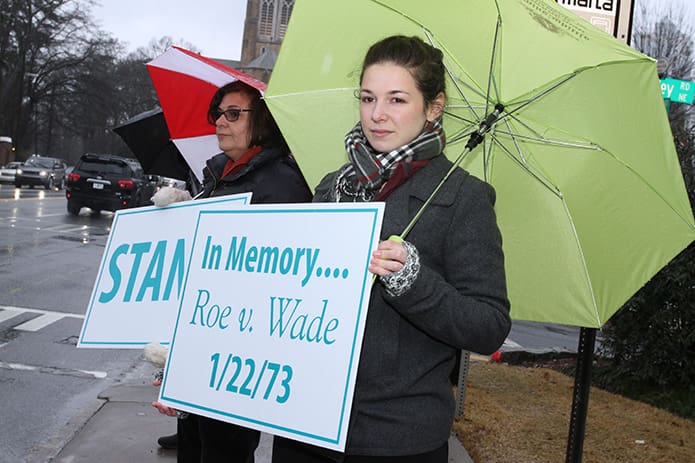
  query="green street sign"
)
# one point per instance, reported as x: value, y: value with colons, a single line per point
x: 678, y: 91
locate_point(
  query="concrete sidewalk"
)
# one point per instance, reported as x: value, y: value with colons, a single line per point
x: 126, y: 427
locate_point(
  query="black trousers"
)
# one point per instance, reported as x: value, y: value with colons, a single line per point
x: 204, y: 440
x: 289, y: 451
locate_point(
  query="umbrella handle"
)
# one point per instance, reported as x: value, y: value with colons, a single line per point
x: 485, y: 125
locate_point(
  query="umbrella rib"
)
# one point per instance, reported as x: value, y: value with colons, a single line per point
x: 553, y: 189
x: 516, y: 142
x: 548, y: 141
x: 456, y: 82
x: 519, y: 105
x: 459, y: 117
x: 468, y: 104
x: 587, y: 276
x: 457, y: 106
x: 309, y: 92
x: 560, y: 196
x: 491, y: 80
x: 543, y: 139
x: 487, y: 159
x: 649, y: 185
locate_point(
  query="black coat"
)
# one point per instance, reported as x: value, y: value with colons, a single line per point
x: 271, y: 175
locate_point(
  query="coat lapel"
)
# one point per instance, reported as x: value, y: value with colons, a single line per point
x: 400, y: 206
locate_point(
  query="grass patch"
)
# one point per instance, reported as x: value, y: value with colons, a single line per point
x: 521, y: 414
x: 680, y: 401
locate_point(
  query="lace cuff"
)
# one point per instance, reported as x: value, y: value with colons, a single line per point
x: 397, y: 283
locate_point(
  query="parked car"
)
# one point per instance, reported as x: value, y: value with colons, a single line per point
x: 8, y: 172
x: 41, y: 170
x: 104, y: 182
x: 172, y: 182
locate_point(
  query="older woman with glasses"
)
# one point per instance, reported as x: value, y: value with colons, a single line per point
x: 256, y: 159
x: 254, y: 155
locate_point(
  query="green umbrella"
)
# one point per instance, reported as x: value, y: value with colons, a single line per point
x: 590, y: 197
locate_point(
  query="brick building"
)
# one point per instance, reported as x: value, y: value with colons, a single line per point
x: 264, y: 29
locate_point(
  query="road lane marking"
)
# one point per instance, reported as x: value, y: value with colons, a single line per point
x: 81, y: 229
x: 54, y: 370
x: 39, y: 322
x: 8, y: 313
x: 39, y: 311
x: 45, y: 318
x: 67, y: 228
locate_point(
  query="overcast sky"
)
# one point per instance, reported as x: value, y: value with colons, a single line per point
x: 215, y: 28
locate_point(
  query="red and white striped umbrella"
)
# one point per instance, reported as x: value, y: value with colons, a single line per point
x: 185, y: 82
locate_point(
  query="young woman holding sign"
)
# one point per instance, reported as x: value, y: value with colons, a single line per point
x: 440, y: 291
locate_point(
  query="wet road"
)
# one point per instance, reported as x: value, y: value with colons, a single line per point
x: 48, y: 263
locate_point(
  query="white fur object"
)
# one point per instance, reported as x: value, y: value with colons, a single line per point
x: 156, y: 354
x: 169, y: 195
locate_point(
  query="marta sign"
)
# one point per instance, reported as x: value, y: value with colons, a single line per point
x: 611, y: 16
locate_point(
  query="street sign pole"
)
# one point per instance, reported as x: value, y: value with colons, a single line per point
x: 615, y: 18
x: 623, y: 29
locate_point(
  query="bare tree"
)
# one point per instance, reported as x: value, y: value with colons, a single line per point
x: 49, y: 49
x: 650, y: 340
x: 64, y: 82
x: 667, y: 35
x: 158, y: 46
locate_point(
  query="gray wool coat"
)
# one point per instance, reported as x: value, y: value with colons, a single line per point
x: 403, y: 402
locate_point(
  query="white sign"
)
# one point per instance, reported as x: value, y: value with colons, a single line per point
x: 270, y: 326
x: 611, y: 16
x: 136, y: 294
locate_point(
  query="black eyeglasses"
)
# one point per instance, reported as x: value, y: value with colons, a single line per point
x: 231, y: 114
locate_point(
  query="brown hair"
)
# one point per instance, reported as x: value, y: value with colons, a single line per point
x: 424, y: 62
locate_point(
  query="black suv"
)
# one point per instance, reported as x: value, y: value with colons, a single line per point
x: 41, y: 170
x: 106, y: 182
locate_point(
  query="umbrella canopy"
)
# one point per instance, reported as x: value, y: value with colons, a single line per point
x: 147, y: 136
x: 185, y: 82
x: 590, y: 198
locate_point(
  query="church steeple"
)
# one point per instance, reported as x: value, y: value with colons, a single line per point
x: 264, y: 29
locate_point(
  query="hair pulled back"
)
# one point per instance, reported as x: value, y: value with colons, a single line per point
x: 422, y: 60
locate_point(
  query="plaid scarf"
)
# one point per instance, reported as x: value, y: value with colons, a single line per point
x: 368, y: 170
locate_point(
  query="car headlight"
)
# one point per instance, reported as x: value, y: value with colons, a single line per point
x: 43, y: 173
x: 18, y: 172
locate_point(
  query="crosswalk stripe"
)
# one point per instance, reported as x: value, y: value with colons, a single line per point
x: 45, y: 318
x: 39, y: 322
x: 8, y: 313
x: 39, y: 311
